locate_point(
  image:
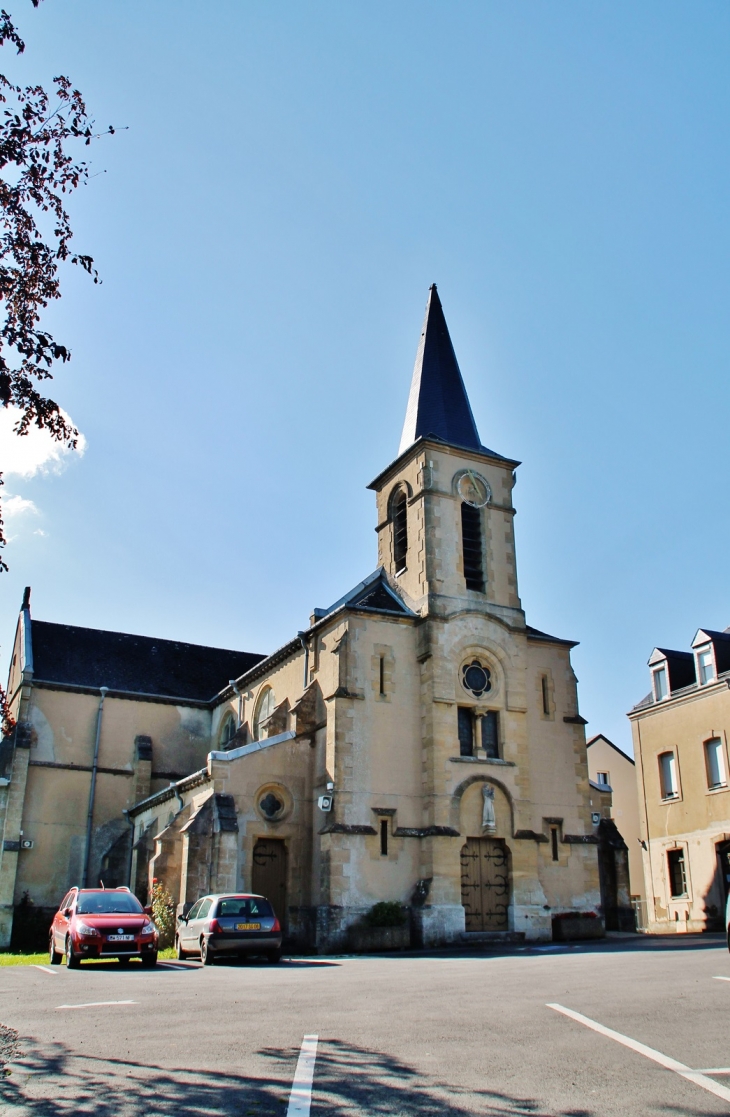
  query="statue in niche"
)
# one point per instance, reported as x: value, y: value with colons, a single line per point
x: 489, y: 824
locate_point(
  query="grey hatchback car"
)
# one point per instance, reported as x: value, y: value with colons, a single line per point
x: 234, y: 924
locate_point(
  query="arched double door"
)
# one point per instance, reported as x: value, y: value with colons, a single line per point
x: 485, y: 884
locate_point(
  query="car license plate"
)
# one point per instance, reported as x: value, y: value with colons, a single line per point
x: 119, y: 938
x: 248, y: 926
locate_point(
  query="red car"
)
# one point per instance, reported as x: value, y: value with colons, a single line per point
x: 102, y: 923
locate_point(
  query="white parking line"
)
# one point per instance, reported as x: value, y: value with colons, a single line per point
x: 715, y: 1070
x: 46, y: 969
x: 98, y: 1004
x: 722, y: 979
x: 300, y: 1099
x: 695, y: 1076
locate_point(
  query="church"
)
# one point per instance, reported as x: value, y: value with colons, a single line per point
x: 418, y: 742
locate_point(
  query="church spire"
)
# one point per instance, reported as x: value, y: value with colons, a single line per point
x: 438, y: 404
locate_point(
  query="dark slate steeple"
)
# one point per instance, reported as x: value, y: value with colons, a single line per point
x: 438, y: 404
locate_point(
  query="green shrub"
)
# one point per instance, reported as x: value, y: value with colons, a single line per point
x: 388, y: 913
x: 163, y: 913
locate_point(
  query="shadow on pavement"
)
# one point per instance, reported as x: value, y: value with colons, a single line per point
x: 53, y: 1081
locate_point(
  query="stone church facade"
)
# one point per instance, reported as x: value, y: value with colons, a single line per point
x: 419, y: 742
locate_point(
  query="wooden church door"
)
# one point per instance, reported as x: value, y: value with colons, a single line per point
x: 269, y: 874
x: 485, y: 891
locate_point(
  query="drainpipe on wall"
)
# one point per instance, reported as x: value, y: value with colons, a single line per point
x: 104, y: 690
x: 130, y: 821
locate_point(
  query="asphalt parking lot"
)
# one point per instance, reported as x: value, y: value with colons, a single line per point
x: 629, y: 1026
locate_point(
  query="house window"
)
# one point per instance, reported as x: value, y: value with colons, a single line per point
x: 471, y: 539
x: 715, y: 763
x: 677, y: 873
x: 466, y: 731
x: 399, y: 515
x: 554, y: 843
x: 660, y: 684
x: 604, y: 778
x: 490, y: 734
x: 383, y: 837
x: 706, y: 665
x: 382, y: 674
x: 545, y: 696
x: 668, y: 775
x: 264, y: 710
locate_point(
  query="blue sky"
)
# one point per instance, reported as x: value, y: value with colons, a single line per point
x: 293, y: 178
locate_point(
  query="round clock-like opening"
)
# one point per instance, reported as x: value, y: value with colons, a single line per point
x: 476, y: 678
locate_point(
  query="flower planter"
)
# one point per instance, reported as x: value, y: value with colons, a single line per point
x: 368, y: 940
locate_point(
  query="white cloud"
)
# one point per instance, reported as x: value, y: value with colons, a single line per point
x: 17, y: 505
x: 34, y: 452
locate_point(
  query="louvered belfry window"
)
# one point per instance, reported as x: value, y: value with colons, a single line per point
x: 400, y: 530
x: 471, y: 538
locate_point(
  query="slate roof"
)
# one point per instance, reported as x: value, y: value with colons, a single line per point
x: 374, y: 593
x: 438, y: 404
x: 92, y: 657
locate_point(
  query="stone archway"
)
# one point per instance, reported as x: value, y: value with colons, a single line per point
x: 485, y: 860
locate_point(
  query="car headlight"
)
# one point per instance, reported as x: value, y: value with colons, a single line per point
x: 148, y: 929
x: 85, y: 929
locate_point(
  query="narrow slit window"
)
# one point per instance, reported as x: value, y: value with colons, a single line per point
x: 383, y: 837
x: 466, y: 731
x: 471, y: 539
x: 382, y: 674
x: 545, y: 696
x: 490, y: 734
x: 554, y: 841
x: 400, y: 530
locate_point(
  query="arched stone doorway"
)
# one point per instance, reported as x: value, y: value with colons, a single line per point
x: 486, y: 878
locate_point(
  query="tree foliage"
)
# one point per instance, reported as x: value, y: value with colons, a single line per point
x: 39, y: 135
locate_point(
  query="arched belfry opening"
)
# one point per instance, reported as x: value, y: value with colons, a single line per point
x: 399, y: 517
x: 472, y: 547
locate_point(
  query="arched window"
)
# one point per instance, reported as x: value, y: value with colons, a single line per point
x: 264, y: 710
x: 471, y: 541
x: 399, y: 516
x: 228, y: 731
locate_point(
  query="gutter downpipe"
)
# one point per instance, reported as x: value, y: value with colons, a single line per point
x: 646, y: 821
x: 104, y: 690
x: 305, y: 645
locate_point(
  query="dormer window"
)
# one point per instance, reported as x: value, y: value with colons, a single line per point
x: 706, y: 665
x: 661, y: 686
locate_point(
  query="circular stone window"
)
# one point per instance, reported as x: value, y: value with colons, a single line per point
x: 476, y: 678
x: 271, y: 806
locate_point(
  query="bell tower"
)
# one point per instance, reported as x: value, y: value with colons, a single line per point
x: 445, y: 514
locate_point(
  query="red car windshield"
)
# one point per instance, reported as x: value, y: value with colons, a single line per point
x: 108, y: 903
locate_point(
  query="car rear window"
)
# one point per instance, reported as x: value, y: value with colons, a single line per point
x: 108, y: 903
x: 245, y: 906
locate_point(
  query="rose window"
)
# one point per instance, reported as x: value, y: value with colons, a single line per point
x: 476, y: 678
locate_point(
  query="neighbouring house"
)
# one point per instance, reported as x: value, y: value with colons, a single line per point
x: 608, y: 765
x: 681, y: 749
x: 417, y: 742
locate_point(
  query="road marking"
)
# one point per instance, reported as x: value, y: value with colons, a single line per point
x: 722, y: 979
x: 99, y: 1004
x: 300, y: 1099
x: 695, y: 1076
x: 46, y: 969
x: 715, y: 1070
